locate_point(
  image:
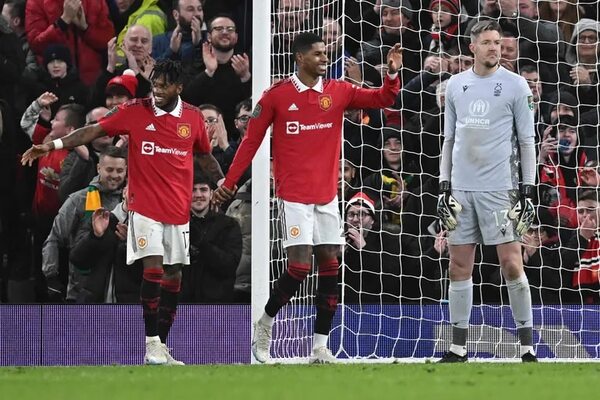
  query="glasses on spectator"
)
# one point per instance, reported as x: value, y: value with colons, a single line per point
x: 359, y: 215
x: 221, y: 29
x: 211, y: 120
x: 588, y: 38
x: 243, y: 118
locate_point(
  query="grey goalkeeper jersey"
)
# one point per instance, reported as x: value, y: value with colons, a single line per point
x: 488, y: 132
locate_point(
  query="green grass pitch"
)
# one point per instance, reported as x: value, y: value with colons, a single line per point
x: 485, y: 381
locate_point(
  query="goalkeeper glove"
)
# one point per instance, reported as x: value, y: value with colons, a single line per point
x: 523, y: 212
x: 447, y: 207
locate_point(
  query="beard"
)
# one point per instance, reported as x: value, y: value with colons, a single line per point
x: 224, y: 49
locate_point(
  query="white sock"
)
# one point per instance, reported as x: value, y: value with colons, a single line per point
x: 319, y: 340
x: 527, y: 349
x: 460, y: 298
x: 459, y: 350
x: 519, y: 296
x: 266, y: 320
x: 150, y: 339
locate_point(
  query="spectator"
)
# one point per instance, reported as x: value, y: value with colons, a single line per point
x: 81, y: 165
x: 291, y: 17
x: 12, y: 61
x: 215, y: 249
x: 243, y: 113
x: 372, y: 267
x: 69, y: 226
x: 561, y: 159
x: 391, y: 184
x: 14, y: 13
x: 583, y: 56
x: 59, y: 76
x: 445, y: 28
x: 99, y: 257
x: 121, y: 88
x: 46, y: 202
x: 563, y: 13
x: 139, y: 42
x: 241, y: 210
x: 225, y: 80
x: 333, y: 44
x: 182, y: 43
x: 222, y: 149
x: 83, y: 26
x: 144, y: 13
x: 395, y: 27
x: 581, y: 254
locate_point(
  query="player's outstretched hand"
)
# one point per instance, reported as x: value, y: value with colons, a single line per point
x: 36, y: 151
x: 223, y: 194
x: 394, y: 59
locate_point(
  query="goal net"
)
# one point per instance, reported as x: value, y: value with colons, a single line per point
x: 393, y: 290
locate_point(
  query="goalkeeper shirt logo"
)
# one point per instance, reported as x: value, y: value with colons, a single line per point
x: 478, y: 109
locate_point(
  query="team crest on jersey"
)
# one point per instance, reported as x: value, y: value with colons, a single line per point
x: 184, y: 130
x: 294, y: 231
x: 325, y: 102
x: 142, y: 242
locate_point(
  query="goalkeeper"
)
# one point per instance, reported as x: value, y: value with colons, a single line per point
x: 489, y: 132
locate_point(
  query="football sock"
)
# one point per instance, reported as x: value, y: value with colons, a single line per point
x: 327, y: 296
x: 519, y: 296
x: 167, y: 307
x: 460, y: 297
x: 285, y: 287
x: 150, y: 296
x: 319, y: 340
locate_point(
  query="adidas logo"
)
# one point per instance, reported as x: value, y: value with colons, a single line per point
x: 293, y: 107
x: 151, y: 127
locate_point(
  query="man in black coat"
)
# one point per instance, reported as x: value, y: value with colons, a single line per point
x: 215, y: 249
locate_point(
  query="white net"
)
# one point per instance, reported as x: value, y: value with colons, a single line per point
x: 394, y: 289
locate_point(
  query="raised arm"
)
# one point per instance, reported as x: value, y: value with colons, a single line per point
x: 76, y: 138
x: 385, y: 95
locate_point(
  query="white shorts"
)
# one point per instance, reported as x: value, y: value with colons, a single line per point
x: 147, y: 237
x: 310, y: 224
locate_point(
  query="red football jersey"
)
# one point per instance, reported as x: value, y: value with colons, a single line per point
x: 307, y: 133
x: 160, y: 165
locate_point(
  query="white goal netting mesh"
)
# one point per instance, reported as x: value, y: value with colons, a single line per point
x: 393, y: 288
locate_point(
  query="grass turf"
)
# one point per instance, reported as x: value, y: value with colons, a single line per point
x: 355, y: 381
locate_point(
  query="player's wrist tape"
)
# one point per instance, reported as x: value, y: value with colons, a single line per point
x: 527, y: 191
x: 58, y: 144
x: 393, y: 76
x: 444, y: 186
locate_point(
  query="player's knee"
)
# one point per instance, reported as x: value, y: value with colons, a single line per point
x: 460, y: 271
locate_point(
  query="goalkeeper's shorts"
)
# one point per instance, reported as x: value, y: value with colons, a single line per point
x: 484, y: 218
x: 310, y: 224
x: 147, y: 237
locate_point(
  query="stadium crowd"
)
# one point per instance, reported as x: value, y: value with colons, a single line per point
x: 65, y: 63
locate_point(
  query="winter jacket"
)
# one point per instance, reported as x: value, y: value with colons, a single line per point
x: 69, y: 227
x: 215, y: 251
x: 88, y: 48
x: 101, y: 261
